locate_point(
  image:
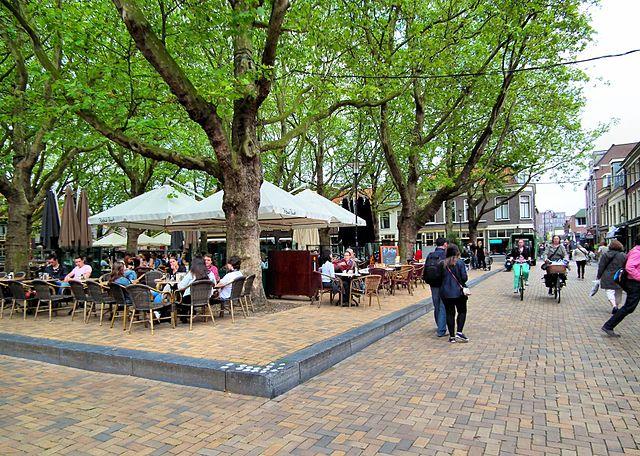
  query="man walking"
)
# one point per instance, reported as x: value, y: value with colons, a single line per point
x: 632, y: 267
x: 433, y: 274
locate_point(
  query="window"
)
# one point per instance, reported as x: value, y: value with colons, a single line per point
x: 502, y: 209
x: 465, y: 214
x: 617, y: 172
x: 454, y: 212
x: 525, y: 206
x: 606, y: 180
x: 385, y: 222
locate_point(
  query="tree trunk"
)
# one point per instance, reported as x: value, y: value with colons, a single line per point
x: 449, y: 216
x: 407, y: 232
x: 325, y: 239
x: 132, y: 239
x: 240, y: 203
x: 18, y: 240
x: 473, y: 230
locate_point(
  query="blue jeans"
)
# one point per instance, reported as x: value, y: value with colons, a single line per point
x: 439, y: 312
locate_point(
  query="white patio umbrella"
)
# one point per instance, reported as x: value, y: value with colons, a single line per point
x: 151, y: 210
x: 163, y: 239
x: 148, y: 241
x: 278, y: 209
x: 339, y: 216
x: 111, y: 240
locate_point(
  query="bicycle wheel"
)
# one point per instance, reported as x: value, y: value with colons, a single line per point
x: 558, y: 288
x: 521, y: 286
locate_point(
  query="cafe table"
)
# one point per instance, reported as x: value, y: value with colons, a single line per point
x: 346, y: 284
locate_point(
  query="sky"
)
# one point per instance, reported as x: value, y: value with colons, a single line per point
x: 613, y: 94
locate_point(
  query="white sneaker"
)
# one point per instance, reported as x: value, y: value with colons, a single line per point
x: 515, y: 290
x: 526, y: 284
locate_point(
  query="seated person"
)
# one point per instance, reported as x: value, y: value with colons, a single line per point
x: 233, y: 272
x: 54, y: 269
x: 328, y: 271
x: 174, y: 268
x: 80, y: 272
x: 198, y: 271
x: 212, y: 268
x: 347, y: 263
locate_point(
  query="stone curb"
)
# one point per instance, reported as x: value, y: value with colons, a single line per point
x: 268, y: 381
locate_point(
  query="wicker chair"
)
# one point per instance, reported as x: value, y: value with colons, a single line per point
x: 200, y: 292
x: 237, y: 286
x: 337, y: 288
x: 402, y: 277
x: 385, y: 278
x: 46, y: 294
x: 5, y: 297
x: 417, y: 275
x: 121, y: 300
x: 20, y: 275
x: 150, y: 278
x: 3, y: 275
x: 105, y: 277
x: 365, y: 286
x: 247, y: 291
x: 79, y: 297
x: 19, y: 296
x: 142, y: 301
x: 98, y: 296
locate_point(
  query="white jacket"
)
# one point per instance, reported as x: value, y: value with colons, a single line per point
x: 580, y: 253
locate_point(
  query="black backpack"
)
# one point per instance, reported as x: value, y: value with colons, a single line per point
x: 433, y: 270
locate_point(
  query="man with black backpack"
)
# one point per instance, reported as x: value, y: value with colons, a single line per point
x: 433, y: 274
x: 629, y: 279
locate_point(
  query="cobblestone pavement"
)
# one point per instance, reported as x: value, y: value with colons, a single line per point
x: 256, y: 340
x: 537, y: 377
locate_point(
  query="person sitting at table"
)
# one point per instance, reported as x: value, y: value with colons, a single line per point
x: 174, y: 268
x: 145, y: 260
x: 233, y: 272
x: 198, y: 271
x: 328, y: 271
x: 208, y: 262
x: 54, y: 269
x: 347, y: 263
x: 118, y: 274
x: 80, y: 272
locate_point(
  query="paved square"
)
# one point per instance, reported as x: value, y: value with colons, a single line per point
x: 537, y: 378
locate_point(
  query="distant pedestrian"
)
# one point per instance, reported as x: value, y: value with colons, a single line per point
x: 580, y: 255
x: 609, y: 263
x: 481, y: 259
x: 632, y: 267
x: 453, y: 293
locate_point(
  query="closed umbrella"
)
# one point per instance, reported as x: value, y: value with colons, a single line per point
x: 69, y: 228
x: 50, y: 231
x: 177, y: 239
x: 84, y: 234
x: 191, y: 239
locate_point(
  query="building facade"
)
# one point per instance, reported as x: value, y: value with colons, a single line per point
x: 516, y: 215
x: 549, y: 223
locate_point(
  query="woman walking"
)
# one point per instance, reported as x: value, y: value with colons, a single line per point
x: 580, y: 255
x: 612, y: 260
x: 452, y: 293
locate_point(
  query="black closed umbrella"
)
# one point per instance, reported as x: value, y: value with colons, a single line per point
x: 177, y: 240
x: 50, y: 231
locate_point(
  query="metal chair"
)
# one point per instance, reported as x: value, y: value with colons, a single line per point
x: 142, y: 301
x: 5, y: 297
x: 365, y: 286
x: 121, y: 306
x: 199, y: 292
x: 98, y: 296
x: 19, y: 295
x: 79, y: 296
x: 46, y: 293
x: 247, y: 291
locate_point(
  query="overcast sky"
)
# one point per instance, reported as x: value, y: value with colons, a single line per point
x: 613, y: 93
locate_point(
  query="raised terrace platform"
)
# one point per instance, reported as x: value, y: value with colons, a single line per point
x: 264, y: 355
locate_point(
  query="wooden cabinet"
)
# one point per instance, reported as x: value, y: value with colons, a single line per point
x: 291, y: 273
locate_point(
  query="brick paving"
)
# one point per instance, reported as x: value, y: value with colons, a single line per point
x: 537, y: 378
x: 256, y: 340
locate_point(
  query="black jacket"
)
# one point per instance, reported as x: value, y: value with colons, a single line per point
x: 515, y: 253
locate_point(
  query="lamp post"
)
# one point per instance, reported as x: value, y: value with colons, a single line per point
x: 355, y: 165
x: 460, y: 224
